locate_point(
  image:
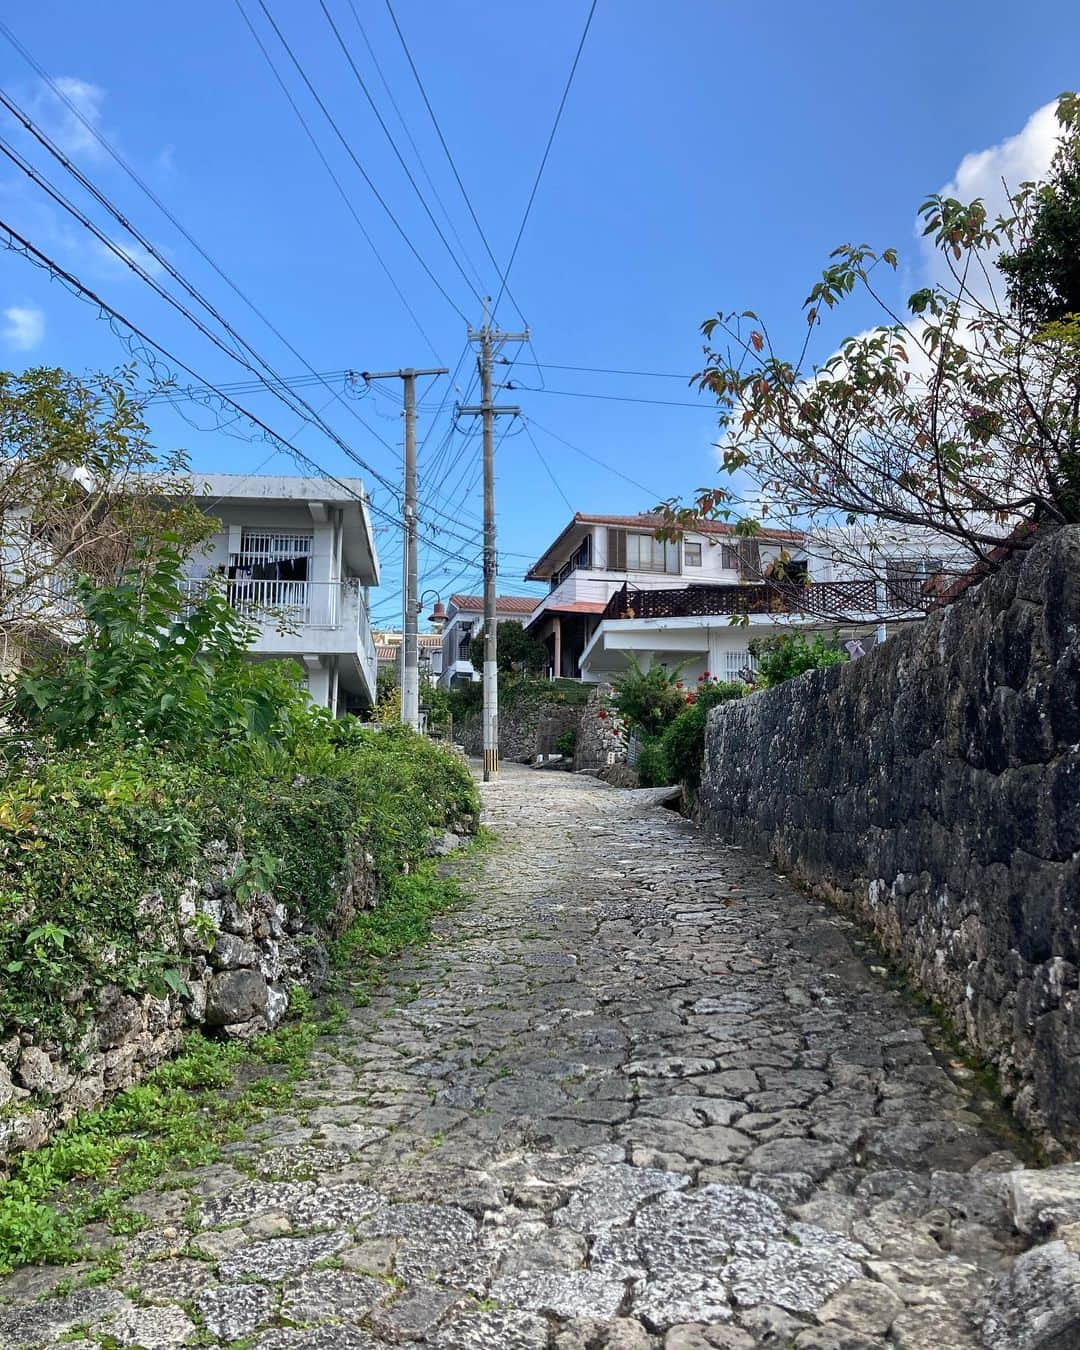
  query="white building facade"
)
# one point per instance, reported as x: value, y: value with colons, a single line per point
x: 464, y: 622
x: 298, y: 556
x: 619, y: 595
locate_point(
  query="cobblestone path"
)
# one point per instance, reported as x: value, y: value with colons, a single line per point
x: 640, y: 1093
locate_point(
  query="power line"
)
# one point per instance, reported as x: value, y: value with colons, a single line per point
x: 587, y: 455
x: 352, y: 155
x: 449, y: 157
x: 605, y: 370
x: 54, y: 193
x: 409, y: 136
x: 122, y: 163
x: 19, y: 243
x: 334, y: 178
x: 606, y: 398
x: 394, y: 146
x: 547, y: 152
x: 548, y: 470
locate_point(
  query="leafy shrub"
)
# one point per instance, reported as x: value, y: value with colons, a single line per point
x: 782, y: 658
x: 683, y: 743
x: 566, y: 743
x: 652, y: 765
x: 90, y: 837
x: 153, y: 736
x: 156, y: 666
x: 648, y: 701
x: 517, y: 650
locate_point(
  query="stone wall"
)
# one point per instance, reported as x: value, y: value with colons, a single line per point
x: 526, y: 727
x: 239, y: 958
x: 932, y: 789
x: 601, y: 738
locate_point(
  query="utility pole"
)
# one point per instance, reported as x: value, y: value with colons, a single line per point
x: 410, y: 665
x: 490, y: 340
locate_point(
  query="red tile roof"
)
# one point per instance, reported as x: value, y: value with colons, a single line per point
x: 504, y: 604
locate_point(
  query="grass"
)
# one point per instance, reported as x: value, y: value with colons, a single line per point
x: 181, y: 1114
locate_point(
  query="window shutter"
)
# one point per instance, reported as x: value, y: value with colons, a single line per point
x: 616, y: 546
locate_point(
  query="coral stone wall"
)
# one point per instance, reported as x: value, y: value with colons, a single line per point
x: 932, y: 789
x: 240, y: 957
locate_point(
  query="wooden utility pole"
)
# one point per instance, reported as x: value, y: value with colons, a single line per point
x: 490, y: 340
x: 410, y: 665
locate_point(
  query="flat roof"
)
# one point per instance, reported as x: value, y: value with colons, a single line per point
x: 275, y: 487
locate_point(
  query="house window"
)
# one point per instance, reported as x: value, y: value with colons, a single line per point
x: 691, y: 554
x: 269, y: 556
x: 631, y: 552
x: 729, y: 557
x: 904, y: 577
x: 738, y: 665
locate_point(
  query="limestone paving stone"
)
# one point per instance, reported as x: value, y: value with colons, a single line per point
x: 232, y: 1311
x: 638, y: 1093
x: 278, y: 1257
x: 332, y: 1295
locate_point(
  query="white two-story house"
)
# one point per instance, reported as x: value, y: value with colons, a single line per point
x: 298, y: 556
x: 617, y: 593
x: 464, y: 622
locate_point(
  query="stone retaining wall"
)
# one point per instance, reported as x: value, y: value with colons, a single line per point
x: 525, y: 727
x: 932, y: 789
x: 239, y: 959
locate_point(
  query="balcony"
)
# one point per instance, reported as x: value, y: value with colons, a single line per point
x: 297, y: 618
x: 834, y: 600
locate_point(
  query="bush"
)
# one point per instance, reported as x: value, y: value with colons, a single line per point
x: 652, y: 765
x: 153, y: 736
x: 782, y: 658
x: 648, y: 701
x: 92, y: 838
x: 683, y: 743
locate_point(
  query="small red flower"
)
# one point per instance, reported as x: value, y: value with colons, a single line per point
x: 706, y: 675
x: 602, y: 714
x: 700, y: 678
x: 678, y: 684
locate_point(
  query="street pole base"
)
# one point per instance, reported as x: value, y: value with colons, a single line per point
x: 491, y: 765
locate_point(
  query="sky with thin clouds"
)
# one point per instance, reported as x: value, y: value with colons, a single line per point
x: 709, y: 158
x: 23, y: 328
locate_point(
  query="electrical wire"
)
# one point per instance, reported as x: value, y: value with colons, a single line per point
x: 409, y: 136
x: 20, y: 244
x: 353, y: 156
x: 335, y: 180
x: 123, y: 164
x: 544, y: 158
x: 394, y: 146
x: 656, y: 496
x: 271, y: 380
x: 606, y: 398
x: 548, y: 470
x: 450, y: 158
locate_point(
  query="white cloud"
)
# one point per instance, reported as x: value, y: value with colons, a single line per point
x: 1018, y: 159
x: 130, y: 250
x: 73, y: 131
x: 991, y: 175
x: 24, y: 327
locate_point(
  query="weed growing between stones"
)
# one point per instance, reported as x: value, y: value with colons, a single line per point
x: 182, y: 1113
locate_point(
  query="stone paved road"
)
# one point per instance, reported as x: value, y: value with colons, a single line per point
x: 639, y: 1094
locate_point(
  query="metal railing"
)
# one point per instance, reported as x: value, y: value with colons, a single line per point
x: 827, y: 598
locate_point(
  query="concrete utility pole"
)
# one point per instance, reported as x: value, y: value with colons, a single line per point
x: 490, y: 340
x: 410, y: 665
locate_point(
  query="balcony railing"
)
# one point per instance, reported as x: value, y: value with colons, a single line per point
x: 830, y: 599
x: 291, y: 604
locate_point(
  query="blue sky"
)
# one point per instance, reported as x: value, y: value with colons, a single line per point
x: 710, y: 156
